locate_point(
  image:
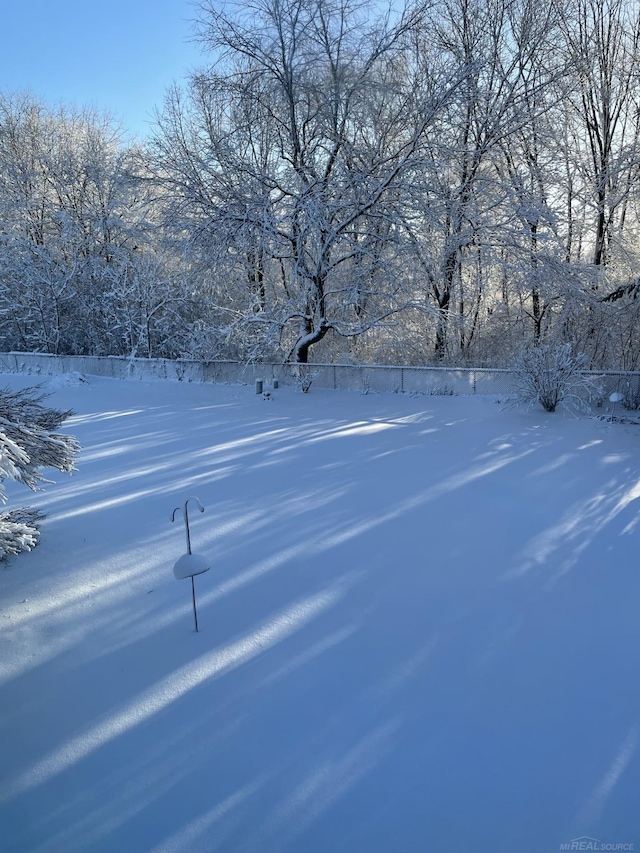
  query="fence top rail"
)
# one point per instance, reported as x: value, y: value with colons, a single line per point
x: 611, y: 372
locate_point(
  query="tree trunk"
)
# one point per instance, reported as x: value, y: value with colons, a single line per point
x: 304, y: 343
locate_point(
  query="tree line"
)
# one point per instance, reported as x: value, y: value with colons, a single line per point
x: 433, y: 183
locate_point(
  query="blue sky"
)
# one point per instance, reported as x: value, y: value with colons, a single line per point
x: 119, y: 57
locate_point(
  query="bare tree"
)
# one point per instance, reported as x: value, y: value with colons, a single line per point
x: 603, y: 44
x: 464, y: 245
x: 296, y: 153
x: 68, y: 209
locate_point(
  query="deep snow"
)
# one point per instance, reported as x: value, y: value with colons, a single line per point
x: 419, y: 633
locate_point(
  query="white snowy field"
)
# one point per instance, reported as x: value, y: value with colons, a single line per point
x: 420, y: 631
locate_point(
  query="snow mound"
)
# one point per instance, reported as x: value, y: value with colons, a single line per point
x: 65, y: 380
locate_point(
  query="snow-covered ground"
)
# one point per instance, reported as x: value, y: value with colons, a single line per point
x: 420, y: 631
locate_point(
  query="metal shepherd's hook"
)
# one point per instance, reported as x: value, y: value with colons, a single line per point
x: 185, y: 510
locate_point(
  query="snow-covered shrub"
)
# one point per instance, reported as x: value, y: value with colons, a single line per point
x: 631, y: 396
x: 303, y: 376
x: 28, y: 442
x: 551, y: 374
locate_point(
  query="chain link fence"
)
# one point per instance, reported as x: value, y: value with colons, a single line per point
x: 440, y: 381
x: 617, y: 388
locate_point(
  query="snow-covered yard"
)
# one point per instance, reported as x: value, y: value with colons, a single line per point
x: 420, y: 632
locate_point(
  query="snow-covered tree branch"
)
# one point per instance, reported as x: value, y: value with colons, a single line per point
x: 28, y: 443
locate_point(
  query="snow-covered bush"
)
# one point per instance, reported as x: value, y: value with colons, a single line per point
x: 28, y: 442
x: 631, y: 395
x: 550, y: 374
x: 303, y: 376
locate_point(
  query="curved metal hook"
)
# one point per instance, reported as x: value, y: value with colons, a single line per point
x: 185, y: 511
